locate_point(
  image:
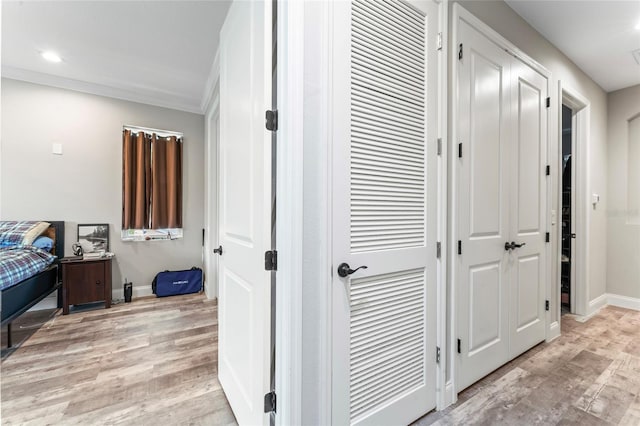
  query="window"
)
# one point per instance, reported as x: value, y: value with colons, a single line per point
x: 151, y: 184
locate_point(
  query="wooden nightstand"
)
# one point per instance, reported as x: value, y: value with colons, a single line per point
x: 85, y: 281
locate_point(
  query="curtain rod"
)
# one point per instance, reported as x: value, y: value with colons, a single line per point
x: 158, y: 132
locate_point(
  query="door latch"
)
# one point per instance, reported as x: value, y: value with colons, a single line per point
x: 344, y: 269
x: 513, y: 245
x: 218, y: 250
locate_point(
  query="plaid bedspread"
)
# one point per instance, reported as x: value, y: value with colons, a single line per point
x: 18, y: 263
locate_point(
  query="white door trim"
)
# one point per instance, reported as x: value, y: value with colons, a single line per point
x: 289, y: 196
x: 460, y: 13
x: 211, y: 196
x: 581, y: 108
x: 445, y: 394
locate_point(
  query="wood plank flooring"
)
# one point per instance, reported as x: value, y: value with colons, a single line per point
x: 154, y: 362
x: 588, y: 376
x: 150, y: 362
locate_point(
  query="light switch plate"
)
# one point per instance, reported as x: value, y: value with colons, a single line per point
x: 56, y: 148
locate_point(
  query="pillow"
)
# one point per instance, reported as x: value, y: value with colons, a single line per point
x: 44, y: 243
x: 34, y: 233
x: 21, y: 233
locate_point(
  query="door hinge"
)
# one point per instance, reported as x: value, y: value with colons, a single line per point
x: 270, y: 402
x: 271, y: 120
x: 460, y: 150
x: 438, y: 249
x: 460, y: 52
x: 440, y: 41
x: 271, y: 260
x: 437, y: 354
x: 548, y: 170
x: 459, y: 346
x: 547, y: 237
x: 439, y: 144
x: 459, y: 246
x: 546, y: 305
x: 548, y: 102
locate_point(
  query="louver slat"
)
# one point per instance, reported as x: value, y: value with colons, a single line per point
x: 387, y: 126
x: 387, y: 338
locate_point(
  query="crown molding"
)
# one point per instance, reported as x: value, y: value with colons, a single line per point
x: 212, y: 82
x: 148, y: 97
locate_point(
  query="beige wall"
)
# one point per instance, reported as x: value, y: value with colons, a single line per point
x: 84, y: 185
x: 499, y: 16
x: 623, y: 243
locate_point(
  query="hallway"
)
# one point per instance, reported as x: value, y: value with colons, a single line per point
x: 590, y: 375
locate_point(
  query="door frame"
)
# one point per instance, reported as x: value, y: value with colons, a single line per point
x: 581, y: 113
x: 212, y: 134
x: 289, y: 239
x: 289, y: 219
x: 313, y: 172
x: 460, y: 13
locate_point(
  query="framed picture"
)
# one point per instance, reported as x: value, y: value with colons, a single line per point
x: 94, y: 237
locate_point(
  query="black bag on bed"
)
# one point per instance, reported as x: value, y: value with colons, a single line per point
x: 170, y: 283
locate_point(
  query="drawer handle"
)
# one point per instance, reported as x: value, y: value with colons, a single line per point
x: 97, y: 282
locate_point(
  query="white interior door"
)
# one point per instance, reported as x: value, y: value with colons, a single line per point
x: 528, y: 207
x: 502, y: 193
x: 384, y: 211
x: 245, y: 209
x: 483, y: 207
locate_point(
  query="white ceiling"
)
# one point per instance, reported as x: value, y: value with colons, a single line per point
x: 157, y: 52
x: 598, y: 36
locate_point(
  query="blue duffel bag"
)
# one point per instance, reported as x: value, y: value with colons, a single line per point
x: 170, y: 283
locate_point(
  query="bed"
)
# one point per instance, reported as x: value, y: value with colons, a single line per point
x: 21, y: 296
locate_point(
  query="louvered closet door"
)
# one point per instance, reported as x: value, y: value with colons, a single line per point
x: 384, y: 210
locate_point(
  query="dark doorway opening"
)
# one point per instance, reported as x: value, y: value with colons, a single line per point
x: 567, y: 201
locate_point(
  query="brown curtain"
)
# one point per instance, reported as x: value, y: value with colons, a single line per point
x: 136, y: 180
x: 166, y: 174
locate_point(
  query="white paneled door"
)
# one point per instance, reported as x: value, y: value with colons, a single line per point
x: 483, y: 207
x: 245, y: 209
x: 528, y: 206
x: 502, y: 192
x: 384, y: 91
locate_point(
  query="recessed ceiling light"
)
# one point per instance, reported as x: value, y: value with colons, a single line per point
x: 51, y: 56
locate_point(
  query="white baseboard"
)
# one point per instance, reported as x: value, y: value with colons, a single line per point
x: 596, y: 304
x: 623, y: 301
x: 554, y: 331
x: 594, y: 307
x: 610, y: 299
x: 138, y: 291
x: 450, y: 395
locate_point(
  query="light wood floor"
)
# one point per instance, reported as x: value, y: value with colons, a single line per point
x: 153, y: 362
x: 588, y: 376
x: 150, y: 362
